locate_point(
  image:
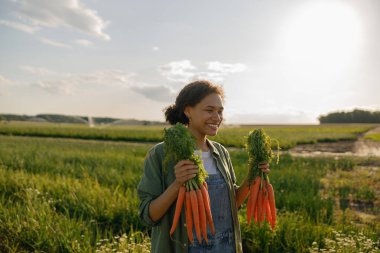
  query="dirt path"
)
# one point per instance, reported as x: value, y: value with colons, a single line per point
x: 361, y: 147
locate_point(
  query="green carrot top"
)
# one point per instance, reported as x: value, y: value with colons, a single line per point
x: 180, y: 144
x: 259, y: 150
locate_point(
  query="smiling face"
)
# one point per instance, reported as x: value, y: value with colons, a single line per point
x: 206, y: 116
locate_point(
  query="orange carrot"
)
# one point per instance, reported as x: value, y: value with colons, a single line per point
x: 263, y: 204
x: 206, y: 200
x: 254, y: 195
x: 249, y: 204
x: 205, y: 185
x: 255, y: 214
x: 268, y: 212
x: 202, y: 214
x: 178, y: 208
x: 260, y: 205
x: 189, y: 218
x: 194, y: 209
x: 259, y: 152
x: 240, y: 199
x: 272, y: 204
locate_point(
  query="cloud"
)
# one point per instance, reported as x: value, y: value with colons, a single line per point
x: 103, y: 77
x: 4, y: 82
x: 183, y: 71
x: 158, y: 93
x: 69, y: 14
x: 38, y: 70
x: 178, y: 71
x: 53, y: 43
x: 84, y: 43
x: 20, y: 26
x: 225, y: 67
x: 155, y: 48
x: 106, y: 77
x: 69, y: 84
x: 212, y: 76
x: 62, y: 87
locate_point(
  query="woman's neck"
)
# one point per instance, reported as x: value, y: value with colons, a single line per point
x: 200, y: 139
x: 203, y: 145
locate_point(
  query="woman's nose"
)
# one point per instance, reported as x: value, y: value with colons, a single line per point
x: 217, y: 116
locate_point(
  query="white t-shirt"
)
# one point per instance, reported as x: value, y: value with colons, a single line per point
x: 209, y: 163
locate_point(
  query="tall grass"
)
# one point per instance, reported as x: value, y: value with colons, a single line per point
x: 62, y: 195
x: 39, y: 211
x: 111, y: 164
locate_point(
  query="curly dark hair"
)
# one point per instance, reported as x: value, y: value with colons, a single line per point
x: 190, y: 95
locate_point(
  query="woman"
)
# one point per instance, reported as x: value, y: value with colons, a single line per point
x: 199, y: 106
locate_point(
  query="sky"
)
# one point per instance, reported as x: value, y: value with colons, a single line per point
x: 279, y: 62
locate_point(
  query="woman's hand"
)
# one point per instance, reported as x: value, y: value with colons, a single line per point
x: 185, y: 170
x: 264, y: 167
x: 242, y: 192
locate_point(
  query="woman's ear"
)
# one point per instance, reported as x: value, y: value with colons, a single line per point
x: 186, y: 111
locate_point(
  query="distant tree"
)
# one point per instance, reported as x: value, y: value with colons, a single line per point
x: 355, y: 116
x: 57, y: 118
x: 104, y: 120
x: 15, y: 117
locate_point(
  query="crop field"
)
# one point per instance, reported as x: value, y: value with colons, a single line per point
x: 71, y: 188
x: 374, y: 137
x: 287, y: 135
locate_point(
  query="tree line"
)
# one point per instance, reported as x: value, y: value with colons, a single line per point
x: 355, y: 116
x: 58, y: 118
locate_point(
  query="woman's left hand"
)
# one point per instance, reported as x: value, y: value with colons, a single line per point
x: 264, y: 167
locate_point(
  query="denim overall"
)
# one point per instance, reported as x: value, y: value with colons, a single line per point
x: 223, y: 241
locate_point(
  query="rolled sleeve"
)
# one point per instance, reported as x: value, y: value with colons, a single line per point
x: 144, y: 212
x: 150, y: 185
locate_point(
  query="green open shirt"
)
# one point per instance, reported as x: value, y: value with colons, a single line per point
x: 154, y: 182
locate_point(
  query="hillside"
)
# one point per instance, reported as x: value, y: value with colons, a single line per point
x: 58, y: 118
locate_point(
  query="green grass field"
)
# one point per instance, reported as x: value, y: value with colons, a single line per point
x: 76, y: 195
x: 287, y: 135
x: 373, y: 137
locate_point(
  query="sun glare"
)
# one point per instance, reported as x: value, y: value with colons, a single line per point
x: 324, y: 35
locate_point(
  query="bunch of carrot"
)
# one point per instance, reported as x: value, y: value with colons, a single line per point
x: 261, y: 201
x: 179, y: 145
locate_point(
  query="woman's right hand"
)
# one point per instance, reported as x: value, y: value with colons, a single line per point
x: 185, y: 170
